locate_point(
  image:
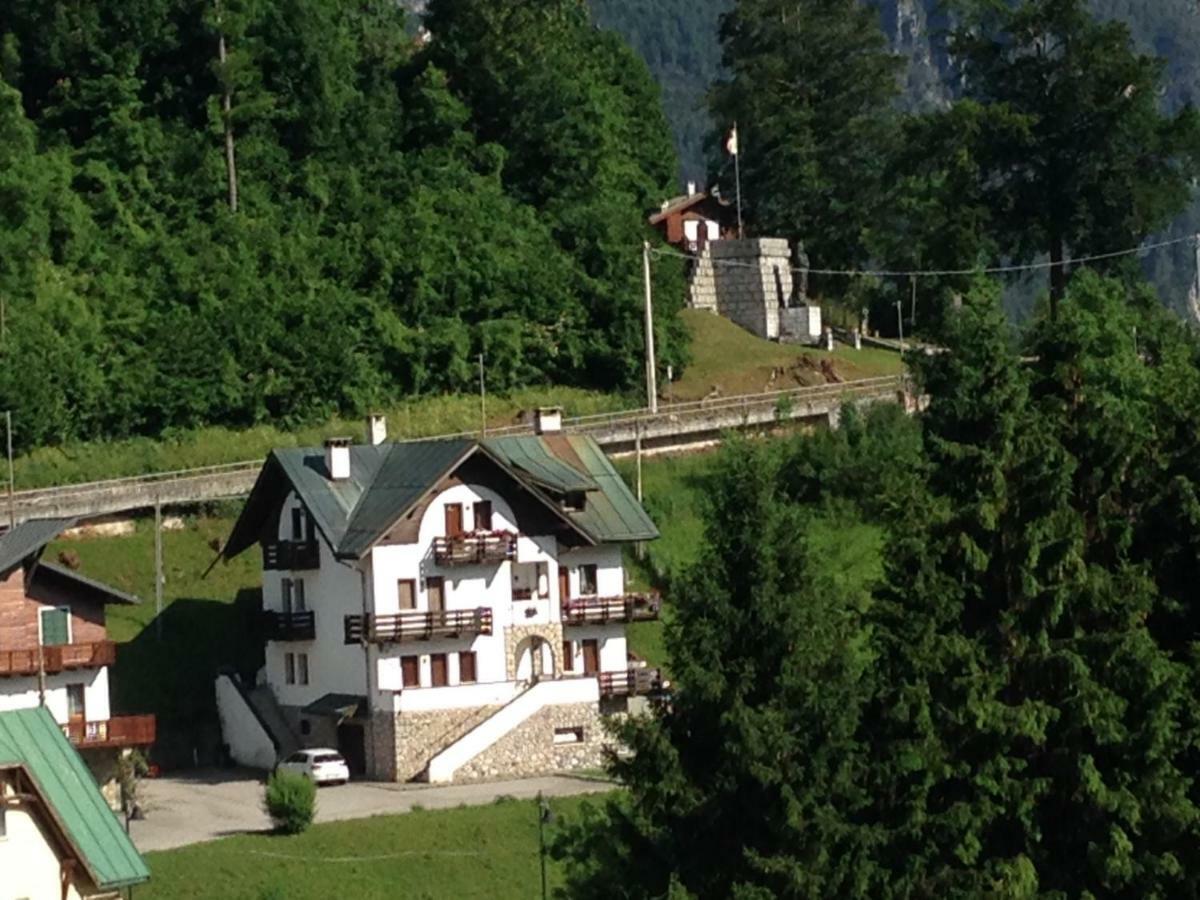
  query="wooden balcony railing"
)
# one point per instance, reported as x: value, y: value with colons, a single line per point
x: 418, y: 626
x: 57, y: 658
x: 291, y: 555
x: 119, y: 731
x: 289, y: 626
x: 475, y: 548
x: 602, y: 610
x: 631, y: 683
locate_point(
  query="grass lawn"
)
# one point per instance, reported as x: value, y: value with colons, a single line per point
x: 485, y: 851
x: 731, y: 360
x: 724, y: 356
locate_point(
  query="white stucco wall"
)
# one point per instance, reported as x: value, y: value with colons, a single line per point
x: 249, y: 743
x: 331, y: 592
x: 614, y: 651
x: 29, y: 867
x: 22, y: 693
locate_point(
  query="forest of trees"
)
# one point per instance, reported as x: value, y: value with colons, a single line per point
x: 399, y: 208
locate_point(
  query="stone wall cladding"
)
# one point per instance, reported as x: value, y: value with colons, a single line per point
x: 529, y: 749
x: 381, y: 747
x: 745, y: 281
x: 418, y: 737
x: 514, y: 634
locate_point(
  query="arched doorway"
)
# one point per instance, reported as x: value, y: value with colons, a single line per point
x: 534, y: 659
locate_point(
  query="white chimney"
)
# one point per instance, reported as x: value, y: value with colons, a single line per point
x: 376, y: 429
x: 547, y: 419
x: 691, y: 188
x: 337, y: 458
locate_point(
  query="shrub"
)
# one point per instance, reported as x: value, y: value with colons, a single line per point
x: 291, y: 802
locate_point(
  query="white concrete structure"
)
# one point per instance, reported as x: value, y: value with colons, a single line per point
x: 418, y: 622
x: 247, y: 737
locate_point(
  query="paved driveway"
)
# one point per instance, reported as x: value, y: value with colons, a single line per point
x: 210, y: 804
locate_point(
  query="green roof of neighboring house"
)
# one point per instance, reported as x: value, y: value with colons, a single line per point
x: 31, y: 739
x: 28, y: 538
x: 387, y: 480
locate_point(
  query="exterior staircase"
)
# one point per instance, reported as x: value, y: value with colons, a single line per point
x: 445, y: 763
x: 262, y: 700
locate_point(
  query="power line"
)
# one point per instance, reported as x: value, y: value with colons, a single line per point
x: 942, y: 273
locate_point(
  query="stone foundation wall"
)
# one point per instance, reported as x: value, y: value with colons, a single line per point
x: 529, y: 749
x: 417, y: 737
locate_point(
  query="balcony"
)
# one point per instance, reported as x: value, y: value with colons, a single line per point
x: 418, y: 626
x: 631, y: 683
x: 119, y: 731
x: 57, y: 658
x: 604, y: 610
x: 475, y: 548
x: 291, y: 556
x: 289, y: 626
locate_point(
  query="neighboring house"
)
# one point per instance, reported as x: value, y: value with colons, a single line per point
x: 58, y: 838
x: 449, y: 609
x: 55, y: 651
x: 693, y: 221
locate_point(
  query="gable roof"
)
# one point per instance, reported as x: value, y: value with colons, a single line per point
x: 30, y: 739
x: 84, y: 587
x: 28, y: 538
x: 386, y: 481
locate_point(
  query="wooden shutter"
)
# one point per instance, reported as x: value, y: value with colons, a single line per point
x: 466, y: 667
x: 591, y: 657
x: 297, y: 524
x: 286, y: 587
x: 454, y: 519
x: 438, y: 670
x: 56, y: 627
x: 406, y: 592
x: 299, y: 604
x: 410, y: 671
x: 435, y: 587
x: 568, y: 656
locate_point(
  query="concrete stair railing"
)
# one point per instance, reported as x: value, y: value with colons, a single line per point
x: 444, y: 764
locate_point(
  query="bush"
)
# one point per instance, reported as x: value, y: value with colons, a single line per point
x: 291, y: 802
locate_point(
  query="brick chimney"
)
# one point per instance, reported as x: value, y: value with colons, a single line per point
x: 337, y: 458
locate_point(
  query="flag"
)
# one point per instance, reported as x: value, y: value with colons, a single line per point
x: 731, y: 142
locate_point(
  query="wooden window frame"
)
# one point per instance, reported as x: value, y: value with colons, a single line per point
x: 429, y: 583
x: 594, y: 642
x: 415, y: 664
x: 463, y: 656
x: 462, y: 523
x: 595, y: 579
x: 412, y: 586
x: 568, y: 648
x: 483, y: 505
x: 445, y: 658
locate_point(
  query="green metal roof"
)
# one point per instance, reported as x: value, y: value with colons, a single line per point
x: 28, y: 538
x: 388, y: 480
x: 30, y: 738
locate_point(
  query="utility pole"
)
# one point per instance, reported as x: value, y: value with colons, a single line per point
x: 227, y: 113
x: 482, y: 401
x: 913, y: 314
x: 544, y: 816
x: 637, y: 449
x: 900, y: 322
x: 651, y: 372
x: 12, y: 504
x: 158, y: 571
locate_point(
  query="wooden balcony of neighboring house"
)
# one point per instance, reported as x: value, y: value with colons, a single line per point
x: 632, y: 683
x: 57, y: 658
x: 116, y: 732
x: 418, y: 626
x: 290, y: 556
x: 289, y: 626
x: 474, y: 548
x: 625, y: 608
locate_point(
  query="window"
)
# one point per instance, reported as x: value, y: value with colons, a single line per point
x: 289, y: 668
x: 575, y: 501
x: 302, y: 668
x: 587, y: 580
x: 298, y: 523
x: 454, y: 519
x: 305, y: 727
x: 591, y: 657
x: 466, y: 667
x: 56, y: 626
x: 75, y: 700
x: 299, y: 604
x: 568, y: 656
x: 483, y: 515
x: 573, y: 735
x: 410, y: 671
x: 406, y: 593
x: 438, y: 670
x: 435, y: 587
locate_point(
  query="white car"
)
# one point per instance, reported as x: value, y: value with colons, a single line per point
x: 322, y: 765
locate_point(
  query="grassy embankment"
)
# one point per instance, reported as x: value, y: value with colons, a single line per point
x: 724, y: 358
x: 487, y: 851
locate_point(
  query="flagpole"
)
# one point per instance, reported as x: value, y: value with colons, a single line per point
x: 737, y: 174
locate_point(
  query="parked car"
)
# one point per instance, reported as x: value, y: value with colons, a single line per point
x: 322, y: 765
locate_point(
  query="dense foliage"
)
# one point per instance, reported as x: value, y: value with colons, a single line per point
x: 390, y: 225
x: 1012, y: 713
x: 290, y: 799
